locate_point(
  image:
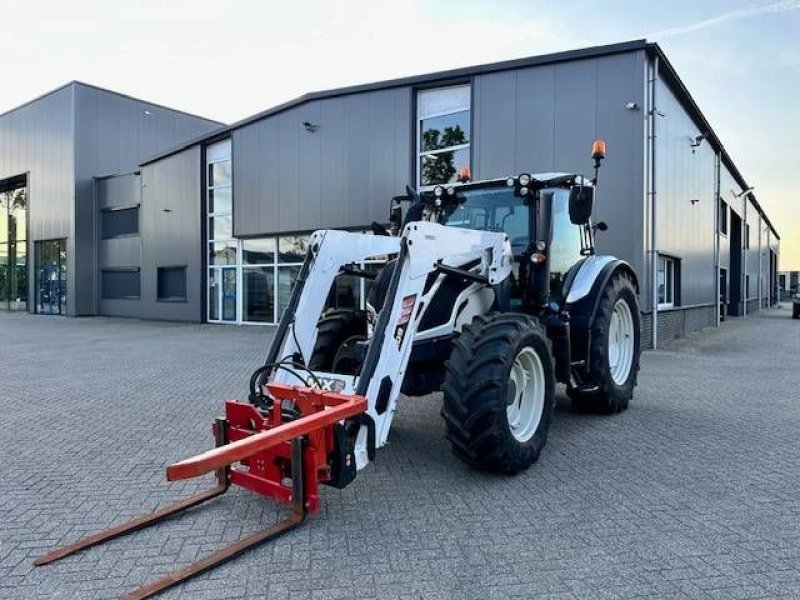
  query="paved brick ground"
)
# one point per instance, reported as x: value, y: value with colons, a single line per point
x: 693, y: 492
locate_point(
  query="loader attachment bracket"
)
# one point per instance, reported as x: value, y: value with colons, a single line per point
x: 281, y: 454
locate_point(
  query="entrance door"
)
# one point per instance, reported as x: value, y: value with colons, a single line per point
x: 51, y: 277
x: 723, y: 294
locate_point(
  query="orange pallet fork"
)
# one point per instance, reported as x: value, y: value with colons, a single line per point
x: 271, y: 450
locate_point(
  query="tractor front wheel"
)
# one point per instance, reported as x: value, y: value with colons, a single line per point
x: 338, y: 333
x: 499, y: 392
x: 614, y: 351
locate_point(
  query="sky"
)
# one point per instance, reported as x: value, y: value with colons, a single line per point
x: 227, y: 60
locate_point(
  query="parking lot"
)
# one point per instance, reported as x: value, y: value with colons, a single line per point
x: 693, y: 492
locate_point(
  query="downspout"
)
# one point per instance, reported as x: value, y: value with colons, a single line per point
x: 653, y: 113
x: 743, y: 249
x: 760, y: 275
x: 717, y: 303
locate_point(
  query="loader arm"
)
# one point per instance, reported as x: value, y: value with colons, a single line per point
x: 422, y: 248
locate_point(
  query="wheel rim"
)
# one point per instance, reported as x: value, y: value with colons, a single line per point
x: 620, y: 342
x: 526, y: 394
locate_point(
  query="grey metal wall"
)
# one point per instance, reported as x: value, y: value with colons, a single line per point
x: 112, y: 134
x: 753, y: 253
x: 342, y: 175
x: 170, y: 223
x: 685, y: 229
x: 37, y: 139
x: 545, y: 118
x: 123, y: 252
x: 728, y: 190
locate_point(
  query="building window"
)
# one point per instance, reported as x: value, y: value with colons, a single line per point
x: 51, y: 277
x: 119, y: 222
x: 223, y: 248
x: 443, y: 134
x: 258, y: 280
x: 723, y: 217
x: 171, y: 284
x: 666, y: 282
x: 14, y: 249
x: 747, y: 237
x: 120, y: 284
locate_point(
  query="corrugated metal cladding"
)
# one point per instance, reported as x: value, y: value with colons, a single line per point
x: 544, y: 119
x: 170, y: 221
x: 343, y: 174
x: 685, y: 202
x: 167, y: 195
x: 37, y: 139
x: 63, y: 140
x: 112, y: 134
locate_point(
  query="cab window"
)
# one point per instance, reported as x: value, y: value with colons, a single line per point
x: 565, y: 248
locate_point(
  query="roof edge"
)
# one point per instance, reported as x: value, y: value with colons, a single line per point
x: 427, y: 78
x: 143, y: 101
x: 685, y: 98
x: 39, y: 97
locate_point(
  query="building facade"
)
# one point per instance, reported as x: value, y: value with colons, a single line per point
x: 788, y: 284
x: 223, y: 217
x: 51, y: 151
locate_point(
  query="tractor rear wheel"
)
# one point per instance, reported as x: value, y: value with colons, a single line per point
x: 614, y: 351
x: 338, y: 332
x: 499, y: 392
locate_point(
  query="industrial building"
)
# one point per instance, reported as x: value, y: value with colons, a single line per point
x: 140, y: 211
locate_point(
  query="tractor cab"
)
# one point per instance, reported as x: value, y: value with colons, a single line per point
x: 546, y: 218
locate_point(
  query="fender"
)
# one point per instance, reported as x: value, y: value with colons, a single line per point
x: 584, y: 295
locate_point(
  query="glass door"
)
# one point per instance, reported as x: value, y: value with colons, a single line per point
x: 51, y: 277
x: 228, y: 300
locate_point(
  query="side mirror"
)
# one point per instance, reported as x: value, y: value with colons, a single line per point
x: 581, y: 203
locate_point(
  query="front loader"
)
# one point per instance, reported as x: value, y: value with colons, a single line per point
x: 492, y: 293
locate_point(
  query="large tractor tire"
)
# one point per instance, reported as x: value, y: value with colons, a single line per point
x: 614, y: 351
x: 338, y: 332
x: 499, y: 392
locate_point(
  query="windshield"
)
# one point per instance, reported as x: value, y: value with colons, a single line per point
x: 490, y: 209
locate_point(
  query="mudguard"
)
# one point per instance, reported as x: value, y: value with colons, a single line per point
x: 583, y: 298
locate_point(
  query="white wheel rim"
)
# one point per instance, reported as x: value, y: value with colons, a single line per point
x: 526, y: 395
x: 620, y: 342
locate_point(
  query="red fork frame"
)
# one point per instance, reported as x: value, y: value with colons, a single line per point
x: 273, y: 451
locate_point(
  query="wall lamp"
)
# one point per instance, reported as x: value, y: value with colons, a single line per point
x: 310, y: 127
x: 697, y: 140
x: 747, y: 191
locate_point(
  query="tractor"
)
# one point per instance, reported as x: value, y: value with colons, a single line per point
x: 496, y: 350
x: 490, y: 292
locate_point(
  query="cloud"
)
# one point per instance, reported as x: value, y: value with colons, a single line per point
x: 734, y: 15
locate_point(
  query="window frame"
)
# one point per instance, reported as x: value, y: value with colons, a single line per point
x: 219, y: 269
x: 420, y: 117
x: 171, y: 299
x: 116, y: 209
x: 724, y: 217
x: 135, y: 270
x: 669, y: 281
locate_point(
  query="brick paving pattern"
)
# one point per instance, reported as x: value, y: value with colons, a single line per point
x: 693, y: 492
